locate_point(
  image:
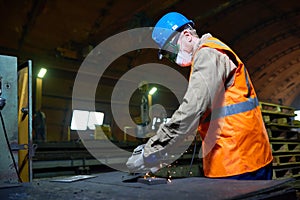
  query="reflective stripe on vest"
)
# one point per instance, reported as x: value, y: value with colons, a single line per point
x: 233, y: 109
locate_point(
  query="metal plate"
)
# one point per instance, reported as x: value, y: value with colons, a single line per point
x: 73, y: 178
x: 153, y: 180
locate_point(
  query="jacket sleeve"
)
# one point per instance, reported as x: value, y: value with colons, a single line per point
x: 208, y: 74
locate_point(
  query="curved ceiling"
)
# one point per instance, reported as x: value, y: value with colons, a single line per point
x: 265, y: 34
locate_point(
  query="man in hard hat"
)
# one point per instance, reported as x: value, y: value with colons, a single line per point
x: 220, y: 96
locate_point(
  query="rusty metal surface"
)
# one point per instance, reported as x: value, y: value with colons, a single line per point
x: 110, y: 186
x: 9, y: 80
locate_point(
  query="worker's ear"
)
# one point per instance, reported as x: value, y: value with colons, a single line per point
x: 188, y: 36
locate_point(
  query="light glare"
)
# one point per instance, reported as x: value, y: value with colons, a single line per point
x: 42, y: 72
x: 95, y: 118
x: 153, y: 90
x: 79, y: 120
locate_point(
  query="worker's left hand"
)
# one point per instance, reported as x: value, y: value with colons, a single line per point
x: 136, y: 162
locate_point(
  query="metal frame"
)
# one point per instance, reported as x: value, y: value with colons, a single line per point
x: 26, y: 140
x: 30, y: 107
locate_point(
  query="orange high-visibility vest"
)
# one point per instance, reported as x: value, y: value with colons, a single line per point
x: 235, y: 140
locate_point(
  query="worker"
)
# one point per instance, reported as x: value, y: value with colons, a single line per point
x: 39, y: 125
x: 220, y: 96
x: 144, y: 107
x: 143, y: 126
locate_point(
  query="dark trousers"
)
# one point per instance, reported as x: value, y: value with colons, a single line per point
x: 264, y: 173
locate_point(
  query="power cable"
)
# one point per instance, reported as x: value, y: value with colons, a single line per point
x: 192, y: 160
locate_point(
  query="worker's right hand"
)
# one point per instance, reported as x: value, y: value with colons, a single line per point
x: 136, y: 162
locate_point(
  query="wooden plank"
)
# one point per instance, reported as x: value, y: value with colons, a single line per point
x: 285, y: 147
x: 276, y: 108
x: 282, y: 134
x: 288, y: 172
x: 270, y: 124
x: 279, y: 160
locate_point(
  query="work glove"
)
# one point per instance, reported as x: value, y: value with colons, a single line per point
x: 136, y: 162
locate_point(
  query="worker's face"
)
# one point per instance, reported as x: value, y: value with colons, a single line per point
x: 185, y: 53
x: 179, y: 49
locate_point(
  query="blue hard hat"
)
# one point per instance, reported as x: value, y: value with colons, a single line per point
x: 167, y: 26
